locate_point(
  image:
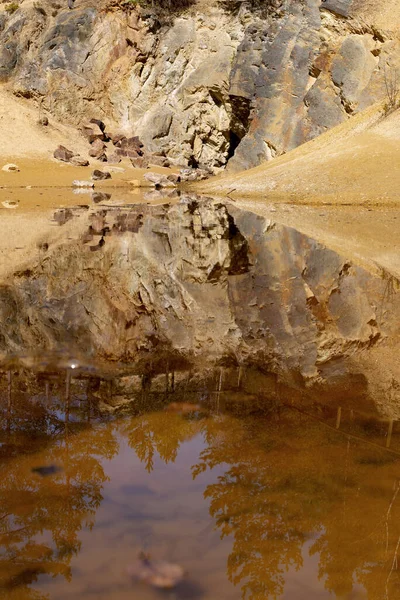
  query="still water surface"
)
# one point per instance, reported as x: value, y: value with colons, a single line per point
x: 253, y: 502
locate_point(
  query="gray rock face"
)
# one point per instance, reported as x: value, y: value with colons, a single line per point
x: 63, y: 51
x: 203, y: 280
x: 8, y: 59
x: 206, y: 89
x: 353, y: 67
x: 339, y: 7
x: 285, y: 54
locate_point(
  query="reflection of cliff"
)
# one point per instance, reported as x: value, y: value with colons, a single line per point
x: 288, y: 482
x: 204, y: 280
x: 41, y: 517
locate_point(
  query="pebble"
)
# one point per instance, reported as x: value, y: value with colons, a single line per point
x: 10, y: 204
x: 81, y: 183
x: 10, y: 167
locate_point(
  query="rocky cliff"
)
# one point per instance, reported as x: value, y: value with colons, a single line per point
x: 210, y: 84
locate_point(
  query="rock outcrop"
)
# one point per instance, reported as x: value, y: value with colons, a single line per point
x: 207, y: 87
x: 209, y: 283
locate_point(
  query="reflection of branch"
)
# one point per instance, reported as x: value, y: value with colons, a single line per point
x: 394, y: 564
x: 388, y: 514
x: 15, y: 530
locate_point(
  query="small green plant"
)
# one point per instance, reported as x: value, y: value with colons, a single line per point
x: 392, y: 89
x: 11, y: 8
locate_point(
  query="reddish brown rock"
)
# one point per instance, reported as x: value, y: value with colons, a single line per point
x: 99, y: 124
x: 117, y: 139
x: 92, y: 132
x: 158, y: 180
x: 132, y: 144
x: 62, y: 153
x: 140, y: 162
x: 158, y: 160
x: 78, y: 161
x: 114, y: 158
x: 99, y: 175
x: 174, y: 178
x: 97, y: 149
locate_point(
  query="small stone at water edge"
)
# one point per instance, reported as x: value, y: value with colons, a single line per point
x: 157, y: 573
x: 97, y: 175
x: 10, y: 167
x: 79, y: 183
x: 10, y: 204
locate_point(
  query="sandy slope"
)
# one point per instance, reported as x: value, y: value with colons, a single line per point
x: 22, y: 136
x: 356, y: 162
x: 385, y: 14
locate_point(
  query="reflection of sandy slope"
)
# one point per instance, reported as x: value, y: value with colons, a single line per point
x: 278, y: 491
x: 40, y: 517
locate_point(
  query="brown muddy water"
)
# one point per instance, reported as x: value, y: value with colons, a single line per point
x: 192, y: 381
x: 253, y: 499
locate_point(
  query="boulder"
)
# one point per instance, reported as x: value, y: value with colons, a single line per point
x: 159, y: 161
x: 80, y: 183
x: 97, y: 149
x: 140, y: 162
x: 62, y: 153
x: 194, y: 174
x: 92, y: 132
x: 100, y: 175
x: 78, y: 161
x: 99, y: 124
x: 117, y: 139
x: 158, y: 180
x: 174, y: 178
x: 114, y: 158
x: 131, y: 147
x: 129, y: 153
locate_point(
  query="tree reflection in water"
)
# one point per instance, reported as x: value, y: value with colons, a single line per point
x: 292, y: 481
x: 161, y: 433
x: 41, y: 517
x: 289, y: 486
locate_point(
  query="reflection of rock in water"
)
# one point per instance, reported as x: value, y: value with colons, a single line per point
x: 207, y: 281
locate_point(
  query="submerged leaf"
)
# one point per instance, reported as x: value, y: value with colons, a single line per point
x: 158, y: 573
